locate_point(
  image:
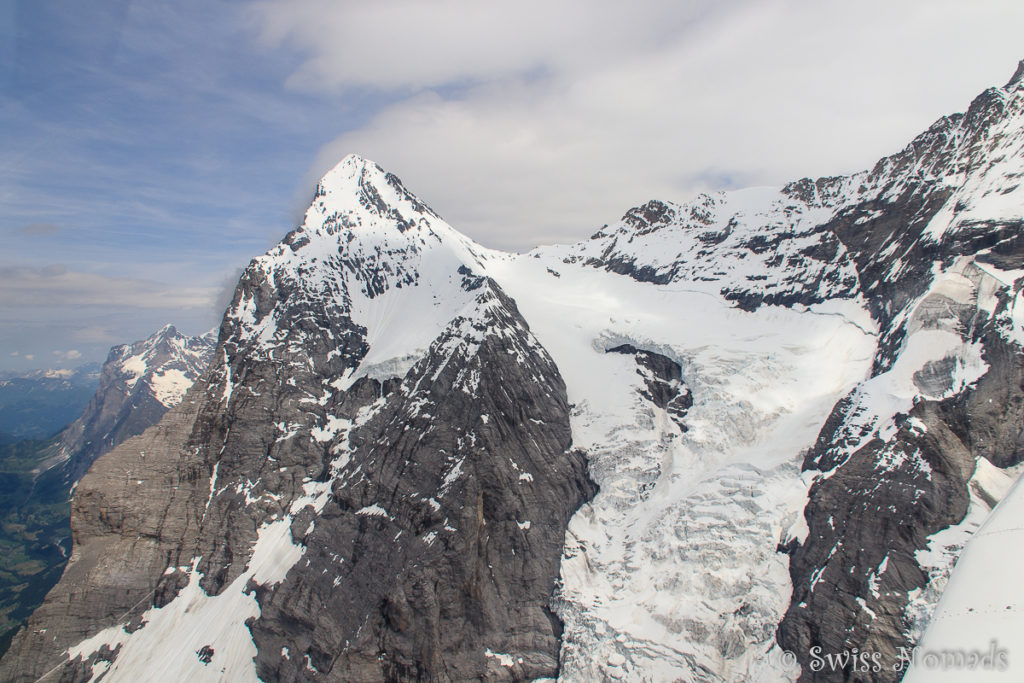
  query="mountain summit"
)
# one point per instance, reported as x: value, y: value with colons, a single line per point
x: 712, y: 440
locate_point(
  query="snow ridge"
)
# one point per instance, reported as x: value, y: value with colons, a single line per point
x: 755, y: 246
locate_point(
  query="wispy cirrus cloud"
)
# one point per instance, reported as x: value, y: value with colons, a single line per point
x: 56, y: 285
x: 39, y: 229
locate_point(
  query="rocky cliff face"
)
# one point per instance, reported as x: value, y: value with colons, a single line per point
x: 435, y: 556
x: 793, y: 402
x: 946, y: 215
x: 122, y: 542
x: 138, y: 383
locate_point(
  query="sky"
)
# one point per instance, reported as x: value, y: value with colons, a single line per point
x: 149, y: 149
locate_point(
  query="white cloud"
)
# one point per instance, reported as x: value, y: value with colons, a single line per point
x: 526, y: 122
x: 410, y: 43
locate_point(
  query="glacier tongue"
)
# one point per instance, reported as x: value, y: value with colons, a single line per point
x: 672, y: 570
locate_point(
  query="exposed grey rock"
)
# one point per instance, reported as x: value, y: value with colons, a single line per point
x: 137, y: 385
x: 426, y: 495
x: 663, y: 379
x: 470, y: 454
x: 883, y: 502
x: 134, y: 513
x: 442, y: 538
x: 936, y: 377
x: 867, y: 513
x: 804, y: 262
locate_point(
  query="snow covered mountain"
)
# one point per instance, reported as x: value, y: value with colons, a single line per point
x: 716, y: 441
x: 138, y: 384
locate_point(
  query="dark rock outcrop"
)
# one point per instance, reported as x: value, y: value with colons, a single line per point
x: 420, y: 489
x: 880, y: 505
x: 135, y: 511
x: 663, y: 382
x: 137, y: 385
x: 429, y: 509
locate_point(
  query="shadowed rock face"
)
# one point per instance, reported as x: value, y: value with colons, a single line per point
x: 869, y: 512
x: 425, y: 507
x: 442, y: 537
x: 862, y: 518
x: 138, y: 384
x: 135, y: 512
x: 663, y: 382
x: 440, y: 542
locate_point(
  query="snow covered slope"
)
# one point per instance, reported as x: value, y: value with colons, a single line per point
x: 369, y: 253
x: 168, y: 362
x: 375, y: 405
x: 976, y: 631
x: 755, y: 246
x: 896, y: 460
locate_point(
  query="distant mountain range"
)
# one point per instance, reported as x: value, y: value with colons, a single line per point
x: 39, y: 403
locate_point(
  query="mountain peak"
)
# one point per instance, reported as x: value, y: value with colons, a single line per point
x: 166, y: 331
x: 358, y: 193
x: 353, y: 168
x: 1018, y: 77
x: 368, y: 251
x: 815, y: 384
